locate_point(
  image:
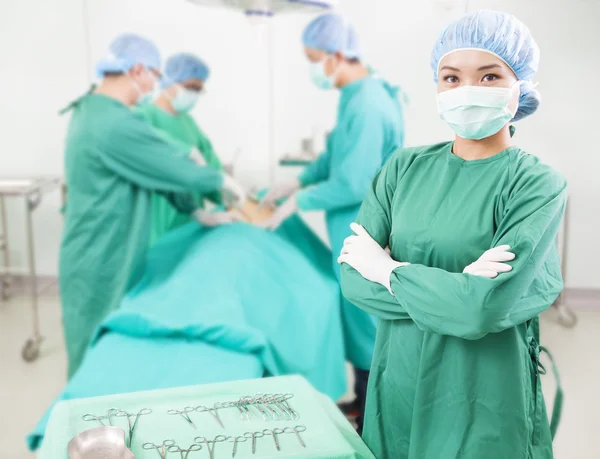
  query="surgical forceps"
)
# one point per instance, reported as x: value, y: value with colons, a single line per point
x: 253, y: 436
x: 297, y: 430
x: 208, y: 443
x: 161, y: 449
x: 235, y: 441
x: 184, y: 414
x: 142, y: 412
x: 109, y: 413
x: 274, y: 432
x: 214, y: 411
x: 177, y: 449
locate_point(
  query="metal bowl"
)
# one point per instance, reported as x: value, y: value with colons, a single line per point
x: 100, y: 443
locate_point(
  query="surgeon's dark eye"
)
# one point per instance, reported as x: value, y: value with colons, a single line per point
x: 490, y: 77
x: 452, y: 79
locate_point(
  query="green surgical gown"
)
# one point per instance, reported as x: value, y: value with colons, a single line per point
x: 181, y: 129
x: 369, y: 128
x: 455, y: 370
x: 114, y: 161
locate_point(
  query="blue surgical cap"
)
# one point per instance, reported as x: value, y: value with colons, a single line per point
x: 125, y: 52
x: 182, y: 67
x: 501, y: 34
x: 332, y: 33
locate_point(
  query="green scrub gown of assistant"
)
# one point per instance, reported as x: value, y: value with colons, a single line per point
x: 368, y: 130
x: 114, y: 161
x: 182, y: 130
x: 455, y: 371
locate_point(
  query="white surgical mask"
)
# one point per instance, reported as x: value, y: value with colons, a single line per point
x: 319, y: 77
x: 144, y: 97
x: 477, y: 112
x: 185, y: 99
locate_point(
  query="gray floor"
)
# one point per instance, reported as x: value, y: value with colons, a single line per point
x: 27, y: 389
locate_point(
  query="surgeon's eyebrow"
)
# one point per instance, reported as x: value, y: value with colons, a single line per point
x: 452, y: 69
x: 447, y: 67
x: 488, y: 67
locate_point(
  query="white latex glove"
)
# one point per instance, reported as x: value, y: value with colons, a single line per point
x: 233, y: 193
x: 212, y: 219
x: 283, y: 212
x: 491, y: 263
x: 280, y: 191
x: 365, y: 255
x: 196, y: 156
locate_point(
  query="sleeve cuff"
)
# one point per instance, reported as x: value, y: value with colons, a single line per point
x: 305, y: 179
x: 303, y: 200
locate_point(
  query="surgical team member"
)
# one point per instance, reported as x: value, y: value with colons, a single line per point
x: 182, y: 83
x: 456, y: 371
x: 369, y: 128
x: 114, y: 161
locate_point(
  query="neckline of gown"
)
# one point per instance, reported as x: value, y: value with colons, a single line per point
x: 476, y: 162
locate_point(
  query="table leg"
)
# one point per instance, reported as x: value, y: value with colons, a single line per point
x: 5, y: 278
x: 31, y: 349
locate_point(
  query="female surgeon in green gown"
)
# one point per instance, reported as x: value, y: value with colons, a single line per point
x: 471, y: 225
x: 183, y: 81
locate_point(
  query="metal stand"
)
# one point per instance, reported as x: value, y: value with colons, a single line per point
x: 6, y: 279
x: 32, y: 190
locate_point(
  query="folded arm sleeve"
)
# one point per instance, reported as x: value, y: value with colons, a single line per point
x: 348, y: 184
x: 470, y: 307
x: 137, y: 153
x: 375, y: 217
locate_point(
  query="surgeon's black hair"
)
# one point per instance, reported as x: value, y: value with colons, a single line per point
x: 112, y: 74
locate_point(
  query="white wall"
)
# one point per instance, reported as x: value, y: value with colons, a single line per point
x: 43, y: 68
x: 397, y: 38
x: 47, y: 63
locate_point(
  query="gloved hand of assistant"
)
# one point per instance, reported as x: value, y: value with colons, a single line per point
x: 280, y: 191
x: 234, y: 194
x: 365, y: 255
x: 491, y: 263
x: 212, y: 219
x: 196, y: 156
x: 283, y: 212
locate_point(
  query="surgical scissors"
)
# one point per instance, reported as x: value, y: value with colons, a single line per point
x: 184, y: 414
x: 267, y: 400
x: 214, y: 411
x: 235, y: 441
x: 177, y: 449
x: 207, y: 442
x: 258, y: 400
x: 283, y: 401
x: 253, y: 436
x: 297, y: 430
x: 109, y: 413
x: 161, y: 449
x: 244, y: 405
x: 142, y: 412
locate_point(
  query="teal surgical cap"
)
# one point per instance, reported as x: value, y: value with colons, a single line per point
x: 182, y: 67
x: 501, y: 34
x: 125, y: 52
x: 332, y: 33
